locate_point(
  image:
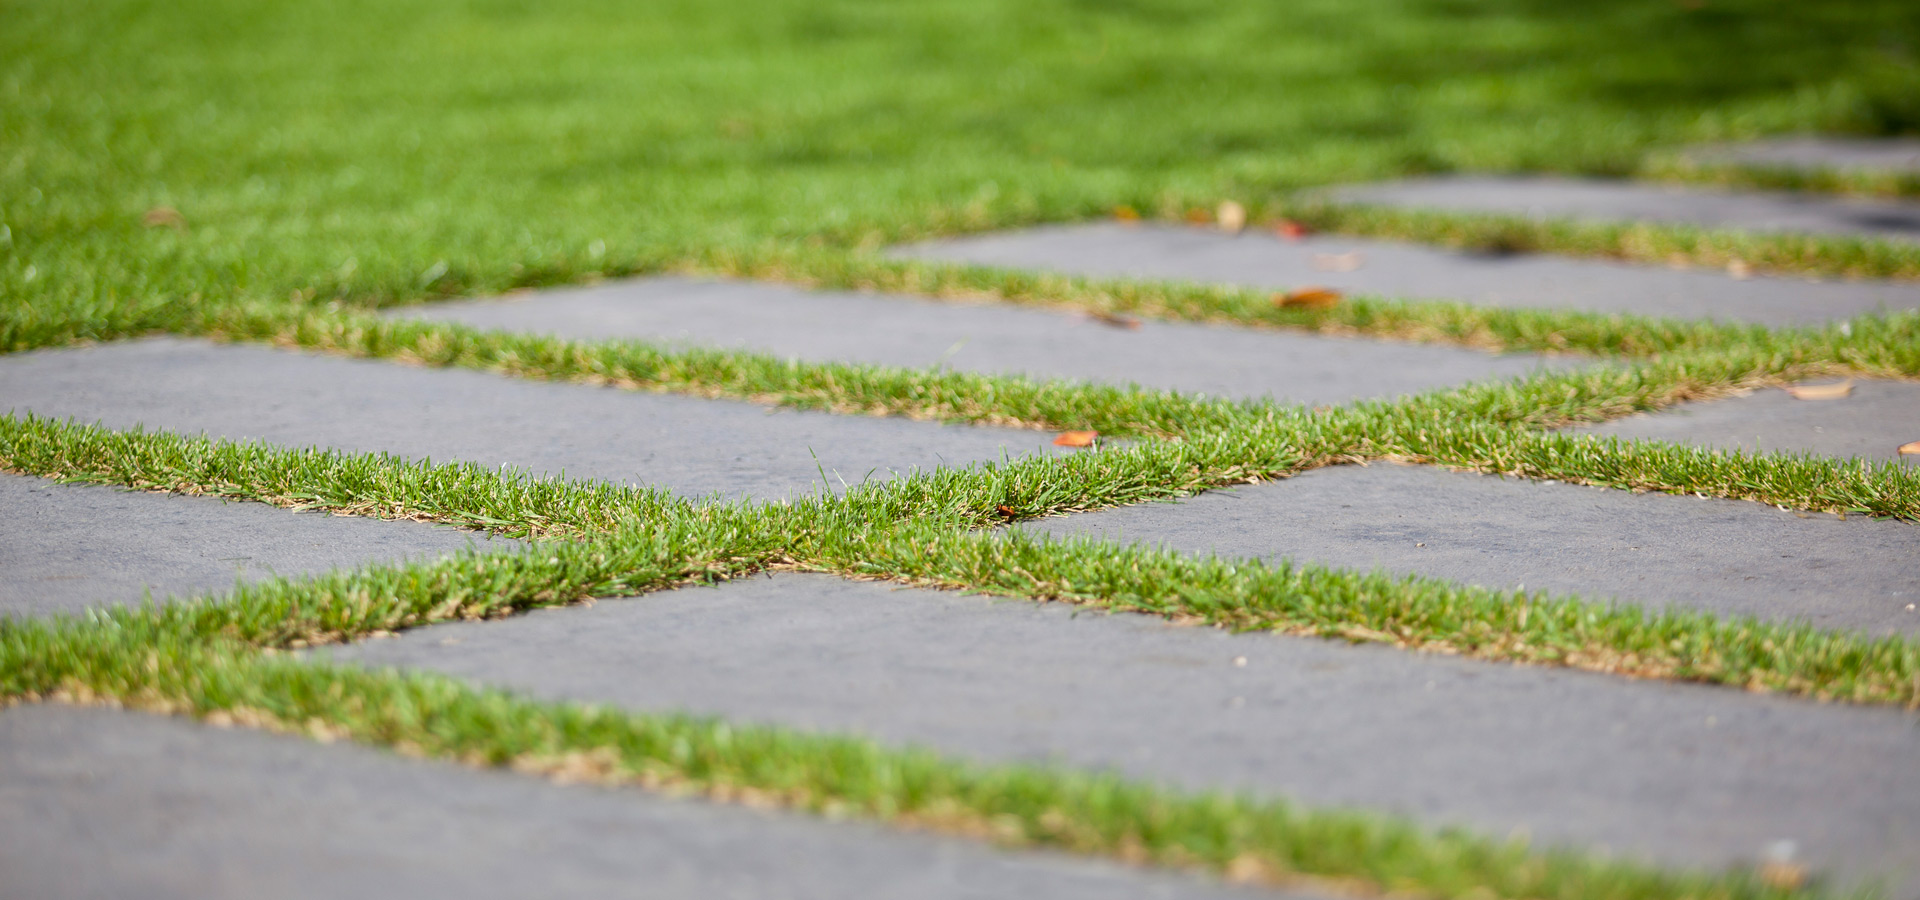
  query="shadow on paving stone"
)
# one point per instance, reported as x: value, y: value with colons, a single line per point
x: 690, y: 446
x: 1870, y: 423
x: 917, y: 333
x: 1816, y: 153
x: 1679, y: 773
x: 102, y: 803
x: 1410, y: 271
x: 1731, y: 557
x: 1627, y: 201
x: 68, y: 548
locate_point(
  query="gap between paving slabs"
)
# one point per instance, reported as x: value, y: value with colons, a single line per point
x: 1886, y: 347
x: 1211, y: 589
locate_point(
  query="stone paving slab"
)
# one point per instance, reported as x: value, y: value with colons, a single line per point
x: 692, y: 446
x: 1686, y: 774
x: 1415, y: 272
x: 1891, y: 155
x: 100, y: 803
x: 66, y: 548
x: 1622, y: 201
x: 1870, y: 423
x: 914, y: 332
x: 1658, y: 550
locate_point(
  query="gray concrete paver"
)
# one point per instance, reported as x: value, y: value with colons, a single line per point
x: 1819, y: 152
x: 1871, y: 423
x: 1626, y: 201
x: 914, y: 332
x: 1684, y: 774
x: 1730, y: 557
x: 691, y: 446
x: 1410, y: 271
x: 66, y: 548
x: 102, y: 803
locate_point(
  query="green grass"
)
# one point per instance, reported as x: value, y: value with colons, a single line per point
x: 328, y: 161
x: 374, y: 152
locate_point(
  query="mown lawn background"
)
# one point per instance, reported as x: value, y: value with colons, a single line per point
x: 382, y: 151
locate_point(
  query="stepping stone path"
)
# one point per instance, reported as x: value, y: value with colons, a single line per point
x: 1610, y: 201
x: 1865, y: 155
x: 906, y: 331
x: 1368, y: 267
x: 96, y: 801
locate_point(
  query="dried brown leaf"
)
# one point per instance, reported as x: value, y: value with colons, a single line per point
x: 1076, y: 438
x: 1126, y: 214
x: 1821, y: 391
x: 163, y: 217
x: 1308, y: 298
x: 1784, y: 875
x: 1910, y: 448
x: 1198, y: 216
x: 1114, y: 319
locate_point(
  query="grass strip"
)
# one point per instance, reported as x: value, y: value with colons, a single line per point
x: 1242, y: 838
x: 929, y: 528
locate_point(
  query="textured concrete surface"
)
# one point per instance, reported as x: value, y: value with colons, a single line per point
x: 1620, y: 201
x: 1682, y: 773
x: 1833, y: 153
x: 1411, y: 271
x: 1871, y: 423
x: 103, y: 804
x: 906, y: 331
x: 688, y: 445
x: 64, y: 548
x: 1657, y: 550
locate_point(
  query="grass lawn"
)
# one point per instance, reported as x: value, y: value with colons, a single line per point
x: 382, y: 152
x: 275, y: 172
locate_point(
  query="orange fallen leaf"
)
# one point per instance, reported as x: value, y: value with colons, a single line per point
x: 1076, y: 438
x: 1821, y: 391
x: 1115, y: 319
x: 1126, y: 214
x: 1231, y: 216
x: 1291, y: 230
x: 163, y: 216
x: 1006, y: 510
x: 1198, y: 216
x: 1910, y: 448
x: 1307, y: 298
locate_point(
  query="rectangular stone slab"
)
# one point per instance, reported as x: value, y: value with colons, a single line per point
x: 1626, y: 201
x: 1726, y: 556
x: 101, y: 803
x: 1410, y: 271
x: 691, y: 446
x: 1818, y: 153
x: 1681, y: 773
x: 907, y: 331
x: 1870, y: 423
x: 65, y: 548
